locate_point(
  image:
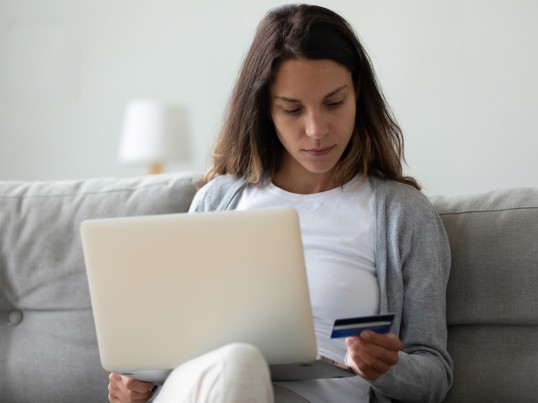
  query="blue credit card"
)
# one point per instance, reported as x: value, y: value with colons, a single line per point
x: 354, y: 326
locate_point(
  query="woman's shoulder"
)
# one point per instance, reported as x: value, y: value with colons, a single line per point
x: 396, y: 190
x: 404, y: 209
x: 398, y: 196
x: 217, y: 193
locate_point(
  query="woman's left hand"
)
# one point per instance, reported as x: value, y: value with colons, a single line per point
x: 372, y: 354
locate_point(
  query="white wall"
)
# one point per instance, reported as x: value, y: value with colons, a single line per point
x: 460, y: 76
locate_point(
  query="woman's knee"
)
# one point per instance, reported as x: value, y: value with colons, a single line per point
x: 243, y: 354
x: 235, y: 373
x: 245, y: 376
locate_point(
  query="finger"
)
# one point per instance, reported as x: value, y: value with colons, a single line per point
x: 124, y: 389
x: 128, y: 396
x: 369, y: 360
x: 362, y: 369
x: 381, y: 347
x: 114, y: 392
x: 384, y: 352
x: 388, y: 341
x: 367, y: 364
x: 137, y: 386
x: 113, y: 377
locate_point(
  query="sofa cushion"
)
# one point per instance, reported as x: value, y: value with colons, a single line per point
x: 494, y: 274
x: 492, y: 298
x: 47, y: 333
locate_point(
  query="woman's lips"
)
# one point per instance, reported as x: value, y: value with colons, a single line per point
x: 319, y: 152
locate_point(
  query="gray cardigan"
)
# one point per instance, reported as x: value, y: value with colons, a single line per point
x: 412, y: 258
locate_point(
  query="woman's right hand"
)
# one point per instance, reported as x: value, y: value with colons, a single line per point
x: 122, y: 389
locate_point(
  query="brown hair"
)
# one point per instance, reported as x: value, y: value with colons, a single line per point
x: 247, y: 144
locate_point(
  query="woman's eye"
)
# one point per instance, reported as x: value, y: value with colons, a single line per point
x: 335, y: 104
x: 292, y: 112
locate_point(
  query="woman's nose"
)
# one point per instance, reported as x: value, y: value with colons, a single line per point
x: 316, y: 126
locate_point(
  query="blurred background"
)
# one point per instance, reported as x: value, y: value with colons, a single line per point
x: 460, y: 76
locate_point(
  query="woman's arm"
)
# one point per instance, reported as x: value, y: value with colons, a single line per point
x: 413, y: 263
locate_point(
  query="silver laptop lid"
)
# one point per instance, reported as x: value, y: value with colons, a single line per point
x: 168, y: 288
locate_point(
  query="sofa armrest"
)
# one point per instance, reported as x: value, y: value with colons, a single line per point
x: 492, y: 299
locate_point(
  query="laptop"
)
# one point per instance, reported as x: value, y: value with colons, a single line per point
x: 168, y: 288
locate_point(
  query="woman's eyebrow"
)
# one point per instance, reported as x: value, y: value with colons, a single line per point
x: 336, y: 91
x: 296, y: 101
x: 286, y: 99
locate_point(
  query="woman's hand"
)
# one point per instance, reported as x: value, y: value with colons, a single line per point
x: 372, y: 354
x: 122, y: 389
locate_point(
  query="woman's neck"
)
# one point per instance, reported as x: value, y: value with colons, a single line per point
x: 304, y: 184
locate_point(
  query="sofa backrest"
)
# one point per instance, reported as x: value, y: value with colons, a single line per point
x: 48, y: 347
x: 492, y: 296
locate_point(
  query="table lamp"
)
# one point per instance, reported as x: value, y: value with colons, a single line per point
x: 152, y: 134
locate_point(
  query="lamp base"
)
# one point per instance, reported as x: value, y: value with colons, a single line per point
x: 155, y: 168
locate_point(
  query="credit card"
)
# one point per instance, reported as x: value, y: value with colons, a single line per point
x: 354, y: 326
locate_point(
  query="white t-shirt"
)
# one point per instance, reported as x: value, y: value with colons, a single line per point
x: 338, y: 234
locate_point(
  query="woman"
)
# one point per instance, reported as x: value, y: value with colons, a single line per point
x: 307, y: 126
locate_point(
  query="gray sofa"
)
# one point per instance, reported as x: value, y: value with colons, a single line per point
x: 48, y: 349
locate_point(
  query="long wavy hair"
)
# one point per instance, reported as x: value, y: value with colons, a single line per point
x: 247, y: 144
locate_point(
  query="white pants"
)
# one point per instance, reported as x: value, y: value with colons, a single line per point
x: 236, y: 373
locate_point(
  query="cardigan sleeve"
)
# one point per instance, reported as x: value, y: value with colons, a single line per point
x: 221, y: 193
x: 415, y: 267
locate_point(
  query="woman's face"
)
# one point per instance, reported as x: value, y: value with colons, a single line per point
x: 312, y: 106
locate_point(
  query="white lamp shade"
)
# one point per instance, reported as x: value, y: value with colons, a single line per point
x: 152, y: 132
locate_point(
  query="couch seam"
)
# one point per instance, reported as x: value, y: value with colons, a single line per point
x: 89, y: 193
x: 486, y: 211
